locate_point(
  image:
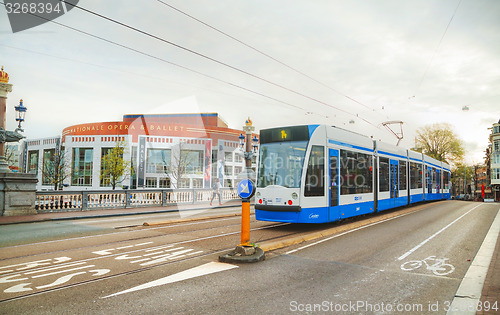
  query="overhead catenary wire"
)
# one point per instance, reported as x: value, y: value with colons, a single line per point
x: 263, y: 53
x: 435, y: 51
x: 220, y: 63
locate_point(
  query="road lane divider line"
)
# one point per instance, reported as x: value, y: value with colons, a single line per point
x: 469, y: 292
x: 408, y: 253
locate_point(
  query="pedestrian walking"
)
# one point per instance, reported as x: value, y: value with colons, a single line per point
x: 216, y: 191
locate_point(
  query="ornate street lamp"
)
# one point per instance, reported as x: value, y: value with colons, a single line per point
x: 242, y: 140
x: 21, y: 112
x: 255, y: 144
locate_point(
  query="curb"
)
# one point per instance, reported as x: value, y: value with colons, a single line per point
x: 95, y: 216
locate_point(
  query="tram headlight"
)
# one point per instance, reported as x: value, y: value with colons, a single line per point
x: 258, y: 195
x: 295, y: 196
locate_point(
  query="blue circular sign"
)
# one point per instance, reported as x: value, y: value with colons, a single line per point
x: 246, y: 189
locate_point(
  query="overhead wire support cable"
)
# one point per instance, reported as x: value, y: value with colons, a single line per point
x: 166, y: 61
x: 218, y: 62
x: 264, y: 54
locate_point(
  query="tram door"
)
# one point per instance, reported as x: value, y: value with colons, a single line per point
x: 394, y: 179
x: 429, y: 180
x: 334, y: 184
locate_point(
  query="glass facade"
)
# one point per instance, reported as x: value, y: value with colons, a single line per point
x: 82, y: 166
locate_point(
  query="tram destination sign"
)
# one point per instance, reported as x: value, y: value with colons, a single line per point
x: 296, y: 133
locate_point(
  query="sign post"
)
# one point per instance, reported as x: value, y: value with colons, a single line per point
x: 246, y: 189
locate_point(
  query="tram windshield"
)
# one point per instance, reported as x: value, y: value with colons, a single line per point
x: 280, y: 163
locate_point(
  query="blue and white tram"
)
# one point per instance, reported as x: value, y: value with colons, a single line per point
x: 318, y: 173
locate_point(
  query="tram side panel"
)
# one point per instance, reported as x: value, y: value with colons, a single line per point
x: 392, y: 185
x: 416, y: 176
x: 353, y: 180
x: 446, y: 180
x: 432, y: 179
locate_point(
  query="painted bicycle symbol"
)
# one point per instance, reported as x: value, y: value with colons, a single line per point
x: 437, y: 265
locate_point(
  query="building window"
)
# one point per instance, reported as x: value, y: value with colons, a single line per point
x: 228, y: 183
x: 193, y: 161
x: 496, y: 146
x: 48, y: 167
x: 82, y: 166
x: 197, y: 183
x: 238, y: 170
x: 151, y: 182
x: 158, y: 161
x: 105, y: 181
x: 33, y: 162
x: 228, y: 156
x: 183, y: 183
x: 165, y: 182
x: 228, y: 170
x: 238, y: 158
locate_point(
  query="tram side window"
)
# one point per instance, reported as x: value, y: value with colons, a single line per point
x: 356, y: 173
x: 415, y: 175
x: 434, y: 179
x: 446, y: 180
x: 384, y: 174
x: 402, y: 175
x: 315, y: 179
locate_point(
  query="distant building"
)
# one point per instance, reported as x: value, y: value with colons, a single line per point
x: 494, y: 160
x: 154, y: 144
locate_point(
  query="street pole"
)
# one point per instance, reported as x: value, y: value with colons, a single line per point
x: 245, y: 203
x: 245, y: 252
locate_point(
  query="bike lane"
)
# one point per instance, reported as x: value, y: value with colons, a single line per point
x: 418, y: 258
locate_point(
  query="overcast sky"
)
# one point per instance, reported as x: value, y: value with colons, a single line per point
x: 419, y: 62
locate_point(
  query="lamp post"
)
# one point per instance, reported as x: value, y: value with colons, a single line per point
x: 246, y: 252
x: 17, y: 190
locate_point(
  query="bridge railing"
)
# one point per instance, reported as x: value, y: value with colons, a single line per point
x: 60, y: 201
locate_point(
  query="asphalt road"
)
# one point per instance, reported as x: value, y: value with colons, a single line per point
x: 409, y: 264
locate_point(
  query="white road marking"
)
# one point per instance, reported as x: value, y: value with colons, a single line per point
x: 33, y: 264
x: 435, y: 234
x: 110, y: 250
x: 199, y: 271
x: 62, y: 271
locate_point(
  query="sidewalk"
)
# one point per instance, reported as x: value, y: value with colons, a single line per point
x: 79, y: 214
x: 490, y: 297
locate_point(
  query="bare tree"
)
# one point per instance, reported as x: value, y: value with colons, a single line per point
x: 55, y: 168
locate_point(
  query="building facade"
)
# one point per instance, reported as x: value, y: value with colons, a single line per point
x: 494, y: 160
x: 162, y: 151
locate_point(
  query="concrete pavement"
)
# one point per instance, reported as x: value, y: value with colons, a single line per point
x: 490, y: 297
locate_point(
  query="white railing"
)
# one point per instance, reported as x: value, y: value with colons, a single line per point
x: 60, y: 201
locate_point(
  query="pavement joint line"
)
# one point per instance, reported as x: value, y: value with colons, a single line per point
x: 191, y: 219
x: 469, y: 292
x: 278, y: 244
